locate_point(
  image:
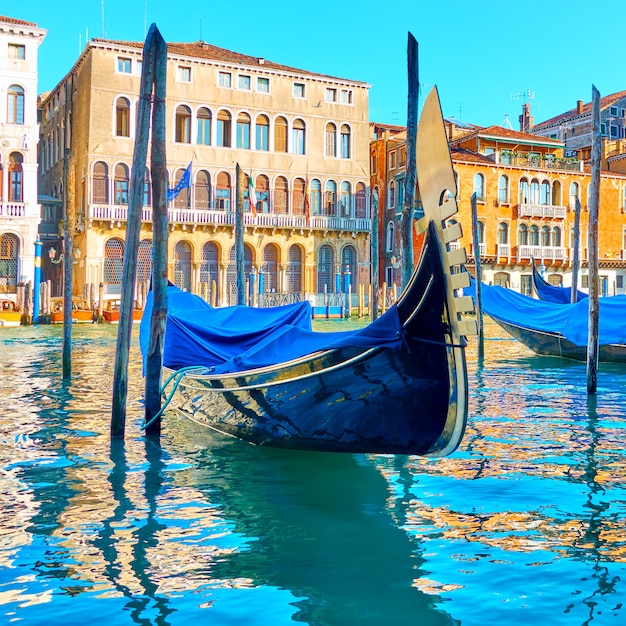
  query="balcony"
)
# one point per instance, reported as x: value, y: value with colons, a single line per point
x: 12, y: 209
x: 548, y: 253
x: 208, y: 217
x: 549, y: 162
x: 542, y: 210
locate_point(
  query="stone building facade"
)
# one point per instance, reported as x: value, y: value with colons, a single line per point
x: 302, y: 137
x: 20, y: 212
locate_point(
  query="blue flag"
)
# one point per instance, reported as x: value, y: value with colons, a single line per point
x: 183, y: 183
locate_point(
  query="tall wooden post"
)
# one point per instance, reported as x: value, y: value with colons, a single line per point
x: 594, y: 202
x: 68, y: 258
x: 239, y: 249
x: 154, y: 357
x: 479, y: 279
x: 411, y: 174
x: 133, y: 228
x: 374, y: 252
x: 576, y: 259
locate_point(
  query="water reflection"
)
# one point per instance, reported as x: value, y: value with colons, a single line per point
x: 525, y: 521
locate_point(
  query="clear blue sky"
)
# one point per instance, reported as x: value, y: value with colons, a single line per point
x: 485, y: 58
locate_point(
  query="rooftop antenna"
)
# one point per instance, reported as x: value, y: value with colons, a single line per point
x: 525, y: 96
x: 103, y: 31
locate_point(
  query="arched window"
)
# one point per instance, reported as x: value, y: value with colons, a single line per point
x: 280, y: 135
x: 297, y: 206
x: 325, y: 263
x: 522, y: 235
x: 202, y: 190
x: 231, y: 273
x: 15, y: 105
x: 360, y: 201
x: 222, y: 192
x: 294, y: 270
x: 281, y: 195
x: 479, y: 187
x: 331, y: 140
x: 503, y: 189
x: 262, y: 190
x: 262, y: 132
x: 545, y: 236
x: 546, y: 193
x: 122, y: 117
x: 183, y: 124
x: 121, y: 183
x: 113, y: 261
x: 270, y: 267
x: 574, y: 194
x: 144, y: 261
x: 223, y: 129
x: 503, y: 233
x: 9, y: 247
x: 501, y: 279
x: 298, y: 137
x: 243, y: 131
x: 524, y: 191
x: 316, y: 197
x: 556, y: 193
x: 182, y: 265
x: 330, y: 201
x: 348, y: 264
x: 182, y: 199
x: 389, y: 239
x: 16, y: 177
x: 534, y: 235
x: 209, y: 269
x: 480, y: 228
x: 556, y: 237
x: 203, y: 122
x: 391, y: 198
x: 346, y: 199
x: 534, y: 191
x: 345, y: 141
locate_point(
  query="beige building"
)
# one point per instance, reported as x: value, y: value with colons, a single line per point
x: 19, y: 134
x: 301, y: 136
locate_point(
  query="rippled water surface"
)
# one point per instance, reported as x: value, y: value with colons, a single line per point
x: 525, y: 523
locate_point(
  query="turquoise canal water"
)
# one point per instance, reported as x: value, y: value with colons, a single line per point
x: 524, y: 523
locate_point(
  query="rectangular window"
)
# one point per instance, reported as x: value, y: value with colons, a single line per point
x: 346, y: 96
x: 138, y: 66
x: 124, y: 65
x: 17, y: 51
x: 392, y: 160
x: 183, y: 73
x: 244, y: 82
x: 225, y: 79
x: 613, y: 110
x: 402, y: 156
x: 331, y: 94
x: 374, y: 164
x: 243, y: 135
x: 298, y: 90
x: 298, y: 140
x: 263, y: 85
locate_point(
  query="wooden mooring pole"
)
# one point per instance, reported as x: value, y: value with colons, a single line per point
x: 479, y: 279
x: 239, y: 228
x: 594, y: 202
x: 68, y: 258
x: 133, y: 227
x: 374, y: 304
x: 576, y: 259
x: 411, y: 174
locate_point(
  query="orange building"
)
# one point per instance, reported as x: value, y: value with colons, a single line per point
x: 526, y: 191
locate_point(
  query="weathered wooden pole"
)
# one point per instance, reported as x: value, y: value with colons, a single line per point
x: 154, y: 357
x: 594, y: 202
x: 133, y: 228
x: 411, y: 173
x: 68, y: 258
x: 239, y: 249
x: 479, y: 278
x: 576, y: 259
x: 374, y: 252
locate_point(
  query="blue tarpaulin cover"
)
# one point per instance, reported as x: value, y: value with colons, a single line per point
x: 571, y: 320
x: 553, y: 293
x: 238, y: 338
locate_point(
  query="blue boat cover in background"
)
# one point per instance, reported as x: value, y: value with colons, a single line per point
x: 571, y: 320
x: 238, y: 338
x: 553, y: 293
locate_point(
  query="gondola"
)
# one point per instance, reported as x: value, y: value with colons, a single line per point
x: 553, y: 293
x: 553, y: 329
x: 397, y: 386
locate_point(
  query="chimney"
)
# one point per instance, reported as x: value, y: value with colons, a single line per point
x: 579, y: 107
x: 526, y: 120
x: 261, y: 61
